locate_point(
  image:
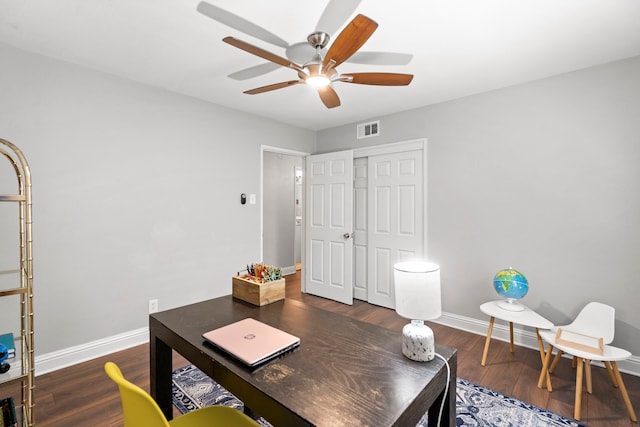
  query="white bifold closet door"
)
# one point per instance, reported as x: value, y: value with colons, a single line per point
x: 362, y: 217
x: 395, y: 221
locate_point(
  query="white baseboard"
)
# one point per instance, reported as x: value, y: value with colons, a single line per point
x: 288, y: 270
x: 522, y: 337
x: 81, y: 353
x: 70, y: 356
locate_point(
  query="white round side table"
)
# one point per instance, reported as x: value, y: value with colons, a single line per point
x: 526, y: 317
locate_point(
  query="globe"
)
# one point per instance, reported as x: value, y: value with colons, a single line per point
x: 511, y: 285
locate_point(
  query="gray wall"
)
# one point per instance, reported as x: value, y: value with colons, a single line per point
x: 279, y: 209
x: 136, y: 194
x: 543, y: 177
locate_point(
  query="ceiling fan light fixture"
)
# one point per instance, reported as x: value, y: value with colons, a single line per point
x: 314, y: 76
x: 317, y: 81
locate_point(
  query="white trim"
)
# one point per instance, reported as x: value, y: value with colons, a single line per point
x: 393, y: 147
x: 522, y: 337
x: 288, y: 270
x: 273, y: 149
x: 81, y: 353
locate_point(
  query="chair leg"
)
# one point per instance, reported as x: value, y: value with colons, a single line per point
x: 487, y: 341
x: 542, y: 356
x: 578, y: 401
x: 540, y: 345
x: 555, y: 361
x: 623, y: 391
x: 544, y: 372
x: 587, y: 370
x: 611, y: 374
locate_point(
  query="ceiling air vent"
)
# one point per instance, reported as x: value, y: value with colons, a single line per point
x: 367, y: 130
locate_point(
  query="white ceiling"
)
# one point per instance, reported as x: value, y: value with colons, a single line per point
x: 460, y: 47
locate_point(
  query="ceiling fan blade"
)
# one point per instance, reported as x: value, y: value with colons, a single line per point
x: 379, y: 79
x: 380, y: 58
x: 336, y: 14
x: 254, y: 50
x: 238, y: 23
x: 255, y: 71
x: 354, y: 35
x: 274, y: 86
x: 329, y: 97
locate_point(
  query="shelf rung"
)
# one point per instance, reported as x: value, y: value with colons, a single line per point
x: 12, y: 198
x: 14, y: 291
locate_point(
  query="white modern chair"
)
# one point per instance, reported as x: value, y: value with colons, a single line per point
x: 594, y: 320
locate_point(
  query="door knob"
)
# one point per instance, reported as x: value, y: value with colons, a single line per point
x: 347, y: 235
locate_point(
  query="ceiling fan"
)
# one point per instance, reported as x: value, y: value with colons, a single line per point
x: 321, y: 72
x: 333, y: 17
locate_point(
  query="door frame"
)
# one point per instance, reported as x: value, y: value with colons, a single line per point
x: 273, y: 149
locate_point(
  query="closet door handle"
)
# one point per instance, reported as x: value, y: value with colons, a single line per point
x: 348, y: 235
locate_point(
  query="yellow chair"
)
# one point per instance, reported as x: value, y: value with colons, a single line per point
x: 140, y: 410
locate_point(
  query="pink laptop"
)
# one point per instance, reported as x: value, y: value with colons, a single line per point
x: 251, y: 341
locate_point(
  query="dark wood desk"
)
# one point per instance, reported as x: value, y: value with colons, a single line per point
x: 345, y: 373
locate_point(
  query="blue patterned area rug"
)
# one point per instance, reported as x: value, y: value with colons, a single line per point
x: 475, y: 405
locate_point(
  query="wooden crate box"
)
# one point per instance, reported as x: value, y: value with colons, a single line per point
x: 258, y: 293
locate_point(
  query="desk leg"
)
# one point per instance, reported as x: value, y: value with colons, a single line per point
x: 160, y: 363
x: 511, y: 335
x: 486, y: 343
x: 449, y: 408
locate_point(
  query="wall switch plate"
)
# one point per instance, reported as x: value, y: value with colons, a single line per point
x: 153, y: 306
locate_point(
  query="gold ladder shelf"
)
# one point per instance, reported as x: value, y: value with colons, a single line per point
x: 23, y: 289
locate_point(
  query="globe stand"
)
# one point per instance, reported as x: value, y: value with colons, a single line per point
x: 510, y: 305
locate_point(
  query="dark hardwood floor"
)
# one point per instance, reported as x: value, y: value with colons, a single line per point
x: 82, y: 395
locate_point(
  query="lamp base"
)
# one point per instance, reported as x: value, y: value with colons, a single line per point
x: 417, y: 341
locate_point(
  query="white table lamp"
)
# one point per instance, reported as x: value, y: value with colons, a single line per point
x: 417, y: 290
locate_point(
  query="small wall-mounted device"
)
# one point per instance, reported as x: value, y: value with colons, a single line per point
x: 243, y: 199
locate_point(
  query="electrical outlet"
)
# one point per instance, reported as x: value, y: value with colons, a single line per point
x: 153, y: 306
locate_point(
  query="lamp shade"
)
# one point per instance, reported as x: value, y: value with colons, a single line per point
x: 417, y: 290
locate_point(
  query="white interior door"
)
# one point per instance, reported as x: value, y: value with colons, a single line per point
x: 395, y: 218
x: 328, y: 267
